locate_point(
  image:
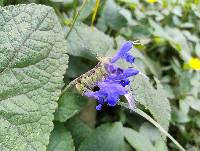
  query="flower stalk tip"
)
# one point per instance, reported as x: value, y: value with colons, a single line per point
x: 115, y: 83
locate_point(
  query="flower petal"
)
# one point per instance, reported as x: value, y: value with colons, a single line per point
x: 112, y: 88
x: 130, y: 72
x: 123, y: 50
x: 125, y: 82
x: 129, y: 58
x: 98, y: 95
x: 112, y: 100
x: 98, y: 107
x: 126, y: 73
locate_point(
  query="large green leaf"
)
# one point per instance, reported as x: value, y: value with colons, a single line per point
x: 32, y: 64
x: 87, y: 42
x: 68, y: 105
x: 61, y: 139
x: 138, y: 141
x: 153, y: 99
x: 147, y: 137
x: 108, y: 137
x: 78, y: 129
x: 112, y: 16
x: 87, y: 10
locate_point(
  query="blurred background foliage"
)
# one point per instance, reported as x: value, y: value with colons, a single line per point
x: 170, y: 33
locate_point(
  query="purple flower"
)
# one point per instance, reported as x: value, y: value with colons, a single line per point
x: 112, y: 69
x: 98, y: 107
x: 129, y: 58
x: 125, y: 82
x: 123, y: 53
x: 108, y: 93
x: 114, y: 84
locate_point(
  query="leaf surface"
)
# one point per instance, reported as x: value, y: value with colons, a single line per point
x: 141, y: 141
x: 108, y: 137
x: 32, y: 64
x: 87, y: 42
x: 112, y: 16
x: 61, y: 139
x: 68, y: 105
x: 78, y: 129
x: 153, y: 99
x: 138, y: 141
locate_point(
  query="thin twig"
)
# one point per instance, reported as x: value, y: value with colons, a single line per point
x: 95, y: 9
x: 76, y: 17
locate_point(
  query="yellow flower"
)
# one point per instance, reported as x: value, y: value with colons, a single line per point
x: 152, y: 1
x: 194, y: 63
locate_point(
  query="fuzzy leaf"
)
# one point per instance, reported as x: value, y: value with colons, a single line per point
x: 141, y: 141
x: 108, y: 137
x: 112, y: 16
x: 32, y: 64
x: 78, y: 129
x: 138, y: 141
x: 69, y: 105
x: 61, y: 139
x: 153, y: 99
x: 87, y: 42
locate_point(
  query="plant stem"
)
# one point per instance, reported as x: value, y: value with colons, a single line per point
x: 151, y: 120
x: 75, y: 18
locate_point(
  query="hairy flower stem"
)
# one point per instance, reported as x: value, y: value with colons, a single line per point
x: 98, y: 69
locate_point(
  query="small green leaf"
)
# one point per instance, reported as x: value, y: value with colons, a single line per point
x: 107, y: 137
x: 193, y: 103
x: 78, y: 129
x: 60, y: 139
x: 69, y: 104
x: 179, y: 116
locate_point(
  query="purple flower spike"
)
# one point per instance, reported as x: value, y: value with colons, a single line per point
x: 123, y: 53
x: 108, y: 93
x: 114, y: 84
